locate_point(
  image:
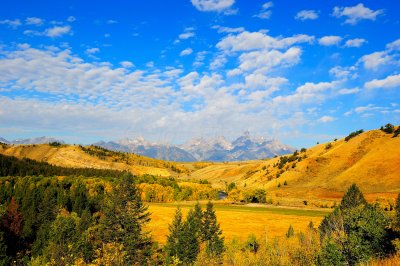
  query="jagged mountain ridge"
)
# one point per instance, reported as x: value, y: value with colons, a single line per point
x: 217, y: 149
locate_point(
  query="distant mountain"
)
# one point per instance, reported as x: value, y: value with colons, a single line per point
x: 3, y: 140
x: 217, y: 149
x: 39, y: 140
x: 154, y: 150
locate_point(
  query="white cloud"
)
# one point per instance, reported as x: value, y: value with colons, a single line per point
x: 92, y: 50
x: 222, y: 29
x: 126, y: 64
x: 34, y: 21
x: 265, y: 13
x: 187, y: 33
x: 375, y: 60
x: 348, y: 91
x: 57, y: 31
x: 213, y: 5
x: 112, y: 21
x: 247, y: 41
x: 343, y: 72
x: 394, y: 45
x: 264, y: 60
x: 187, y: 51
x: 326, y: 119
x: 71, y: 19
x: 330, y: 40
x: 357, y: 42
x: 11, y: 23
x: 356, y: 13
x: 386, y: 83
x: 306, y: 15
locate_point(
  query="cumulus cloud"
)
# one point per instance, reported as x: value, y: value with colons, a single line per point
x: 386, y: 83
x: 71, y: 19
x: 355, y: 14
x: 247, y: 41
x: 306, y: 15
x: 375, y: 60
x: 265, y: 12
x: 187, y: 51
x: 213, y: 5
x: 394, y: 45
x: 357, y: 42
x: 11, y: 23
x: 188, y: 33
x: 34, y: 21
x: 222, y: 29
x: 92, y: 50
x: 326, y: 119
x: 57, y: 31
x: 126, y: 64
x: 330, y: 40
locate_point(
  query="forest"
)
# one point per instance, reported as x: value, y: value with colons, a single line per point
x: 58, y: 216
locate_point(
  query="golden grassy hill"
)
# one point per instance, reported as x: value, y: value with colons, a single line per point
x: 371, y: 160
x: 93, y: 157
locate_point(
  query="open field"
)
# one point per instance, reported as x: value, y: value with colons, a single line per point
x: 239, y: 221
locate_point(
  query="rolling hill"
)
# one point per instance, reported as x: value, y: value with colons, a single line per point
x: 93, y: 157
x: 317, y: 175
x: 325, y: 171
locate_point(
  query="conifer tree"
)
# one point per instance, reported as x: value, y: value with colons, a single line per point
x: 211, y: 233
x: 352, y: 198
x: 290, y: 232
x: 174, y: 246
x: 190, y: 238
x: 123, y: 220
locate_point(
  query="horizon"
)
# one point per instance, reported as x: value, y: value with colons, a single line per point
x: 309, y: 73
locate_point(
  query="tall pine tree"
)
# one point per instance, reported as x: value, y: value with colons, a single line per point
x: 123, y: 220
x: 211, y: 233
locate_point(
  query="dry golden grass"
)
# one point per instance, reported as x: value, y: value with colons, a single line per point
x: 74, y: 156
x: 238, y: 221
x: 371, y: 160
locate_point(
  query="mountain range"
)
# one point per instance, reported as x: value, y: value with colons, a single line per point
x: 38, y: 140
x: 217, y: 149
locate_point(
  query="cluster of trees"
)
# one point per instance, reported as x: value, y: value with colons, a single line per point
x: 356, y: 231
x: 12, y: 166
x: 353, y: 134
x: 390, y: 129
x: 186, y: 237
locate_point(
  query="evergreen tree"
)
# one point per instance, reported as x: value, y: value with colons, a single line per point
x: 190, y: 238
x: 174, y: 246
x: 211, y: 233
x: 356, y: 229
x: 290, y: 232
x: 397, y: 216
x: 352, y: 198
x: 123, y: 220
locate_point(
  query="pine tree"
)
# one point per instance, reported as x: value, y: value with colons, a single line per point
x: 397, y: 209
x: 352, y: 198
x: 190, y: 238
x: 290, y: 232
x: 211, y: 233
x: 173, y: 246
x: 123, y: 220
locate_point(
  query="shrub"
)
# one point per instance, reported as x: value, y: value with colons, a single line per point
x: 388, y: 128
x: 353, y: 134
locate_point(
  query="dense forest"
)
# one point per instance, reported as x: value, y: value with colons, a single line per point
x: 58, y: 216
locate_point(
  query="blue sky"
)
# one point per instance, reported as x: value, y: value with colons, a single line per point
x: 300, y: 71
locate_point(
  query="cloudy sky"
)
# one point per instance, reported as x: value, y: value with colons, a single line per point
x: 301, y: 71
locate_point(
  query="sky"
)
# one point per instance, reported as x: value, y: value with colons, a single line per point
x: 302, y: 71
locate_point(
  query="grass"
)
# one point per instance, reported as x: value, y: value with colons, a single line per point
x: 238, y: 221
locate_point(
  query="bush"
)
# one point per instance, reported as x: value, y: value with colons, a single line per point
x: 353, y: 134
x: 388, y: 128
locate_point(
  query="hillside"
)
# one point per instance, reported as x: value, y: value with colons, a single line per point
x: 325, y: 171
x: 92, y: 157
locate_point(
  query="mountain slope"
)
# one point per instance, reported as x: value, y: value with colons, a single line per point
x: 371, y: 159
x: 93, y: 157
